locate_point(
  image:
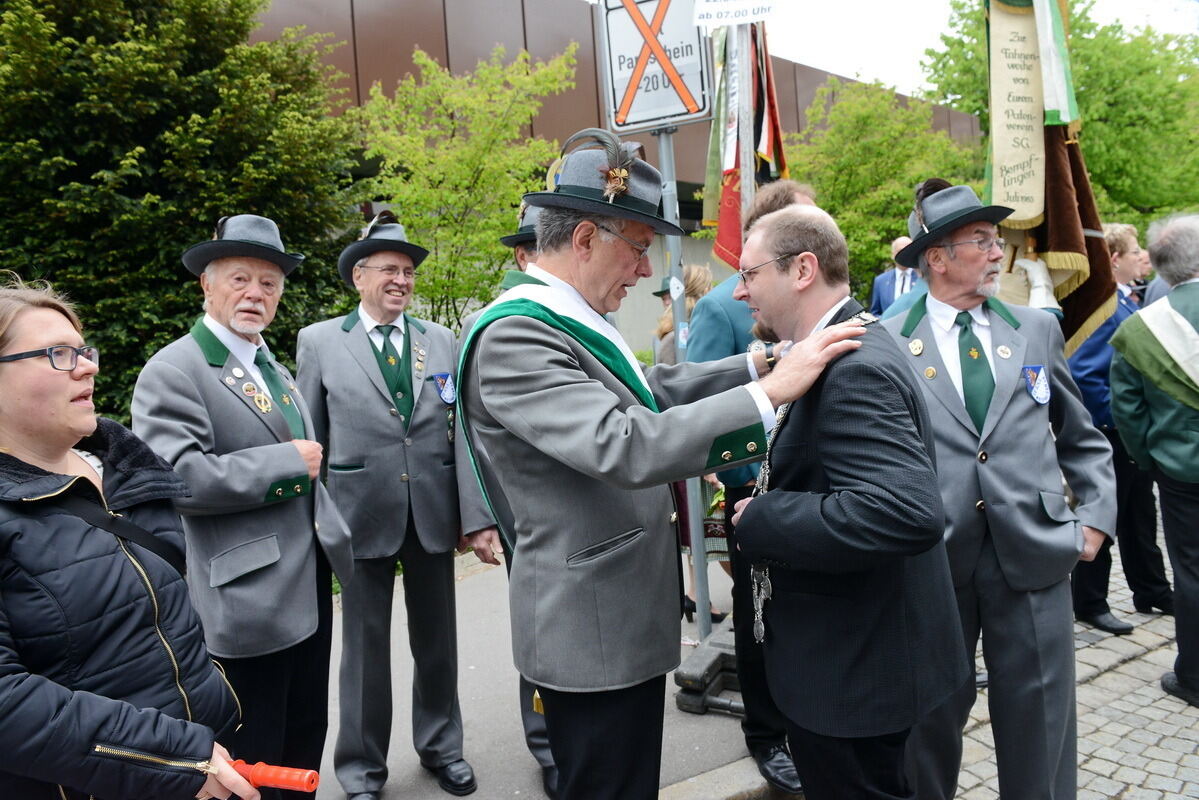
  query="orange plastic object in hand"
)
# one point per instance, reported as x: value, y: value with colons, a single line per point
x: 263, y: 775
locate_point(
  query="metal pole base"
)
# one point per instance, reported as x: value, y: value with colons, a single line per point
x: 710, y: 670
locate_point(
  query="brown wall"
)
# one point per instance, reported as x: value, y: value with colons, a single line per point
x: 379, y: 36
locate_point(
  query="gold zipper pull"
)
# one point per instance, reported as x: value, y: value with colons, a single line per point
x: 207, y: 767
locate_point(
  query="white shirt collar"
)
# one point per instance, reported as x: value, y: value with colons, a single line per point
x: 369, y: 323
x: 1124, y: 288
x: 242, y: 349
x: 945, y: 316
x: 828, y: 315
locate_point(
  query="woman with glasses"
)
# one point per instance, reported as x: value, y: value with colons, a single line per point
x: 106, y: 688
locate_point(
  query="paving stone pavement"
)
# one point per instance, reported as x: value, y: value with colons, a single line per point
x: 1135, y: 742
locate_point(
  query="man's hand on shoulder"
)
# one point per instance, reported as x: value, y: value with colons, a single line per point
x: 486, y: 544
x: 311, y: 453
x: 796, y: 371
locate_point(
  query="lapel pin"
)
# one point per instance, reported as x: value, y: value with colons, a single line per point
x: 1004, y: 351
x: 229, y: 380
x: 916, y: 346
x: 238, y: 373
x: 285, y: 400
x: 249, y: 389
x: 930, y: 372
x: 263, y: 402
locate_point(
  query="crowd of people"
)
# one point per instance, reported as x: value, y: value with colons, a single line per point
x: 896, y: 490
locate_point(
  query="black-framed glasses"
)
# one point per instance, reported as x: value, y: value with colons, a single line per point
x: 984, y: 245
x: 640, y: 249
x: 62, y: 357
x: 741, y: 273
x: 384, y: 217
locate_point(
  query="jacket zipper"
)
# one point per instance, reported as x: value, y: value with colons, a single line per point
x: 220, y: 668
x: 62, y: 793
x: 134, y: 755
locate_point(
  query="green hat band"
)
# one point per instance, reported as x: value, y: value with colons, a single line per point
x: 625, y: 201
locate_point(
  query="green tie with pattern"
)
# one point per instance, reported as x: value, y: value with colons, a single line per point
x: 397, y: 372
x: 270, y: 377
x: 978, y: 384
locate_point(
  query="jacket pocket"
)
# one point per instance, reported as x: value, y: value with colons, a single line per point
x: 243, y: 559
x: 346, y: 467
x: 592, y: 552
x: 1056, y: 507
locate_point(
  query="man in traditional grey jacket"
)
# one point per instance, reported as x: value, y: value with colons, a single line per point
x: 260, y: 529
x: 1008, y: 423
x: 380, y: 384
x: 582, y: 444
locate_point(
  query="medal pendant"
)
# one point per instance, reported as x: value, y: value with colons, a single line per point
x: 263, y: 402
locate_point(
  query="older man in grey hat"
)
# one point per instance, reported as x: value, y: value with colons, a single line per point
x: 587, y: 442
x: 260, y: 529
x: 380, y: 383
x: 1008, y: 424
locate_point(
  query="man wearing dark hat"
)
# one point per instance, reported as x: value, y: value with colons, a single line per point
x: 580, y: 445
x: 1009, y: 423
x: 380, y: 383
x: 260, y: 528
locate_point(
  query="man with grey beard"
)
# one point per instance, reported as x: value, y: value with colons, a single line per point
x: 262, y: 534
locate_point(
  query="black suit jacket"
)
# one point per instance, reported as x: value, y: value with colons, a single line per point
x: 862, y: 631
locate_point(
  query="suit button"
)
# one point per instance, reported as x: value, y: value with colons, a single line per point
x: 298, y: 489
x: 393, y: 412
x: 316, y: 526
x: 727, y: 455
x: 674, y: 516
x: 404, y: 477
x: 980, y: 506
x: 982, y: 457
x: 408, y: 441
x: 278, y: 493
x: 752, y: 447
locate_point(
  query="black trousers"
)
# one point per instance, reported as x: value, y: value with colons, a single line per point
x: 285, y: 696
x: 1180, y: 512
x: 607, y: 745
x: 867, y: 768
x: 764, y: 725
x: 1136, y: 534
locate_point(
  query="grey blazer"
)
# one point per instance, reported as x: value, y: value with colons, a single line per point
x: 253, y: 519
x: 374, y: 466
x: 576, y: 468
x: 1009, y: 478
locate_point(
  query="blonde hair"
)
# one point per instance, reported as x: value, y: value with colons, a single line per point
x: 1120, y: 237
x: 16, y: 296
x: 697, y: 282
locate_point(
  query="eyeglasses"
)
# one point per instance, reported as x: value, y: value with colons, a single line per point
x: 62, y: 357
x: 384, y: 217
x: 742, y: 273
x: 391, y: 271
x: 985, y: 244
x: 641, y: 249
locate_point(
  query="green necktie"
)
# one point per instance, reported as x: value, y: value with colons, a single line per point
x: 978, y: 384
x: 397, y: 372
x: 270, y: 377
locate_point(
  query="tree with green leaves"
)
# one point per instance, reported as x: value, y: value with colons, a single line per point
x: 1138, y: 96
x: 128, y: 127
x: 455, y: 157
x: 865, y: 148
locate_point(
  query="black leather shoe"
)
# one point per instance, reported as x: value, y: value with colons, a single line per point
x: 778, y: 769
x: 455, y: 777
x: 1171, y: 685
x: 1165, y: 606
x: 1107, y: 622
x: 549, y: 781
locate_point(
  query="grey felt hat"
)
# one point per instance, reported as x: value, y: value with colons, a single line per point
x: 942, y: 212
x: 607, y: 179
x: 526, y: 232
x: 383, y: 233
x: 247, y: 235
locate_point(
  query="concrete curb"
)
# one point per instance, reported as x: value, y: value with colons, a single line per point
x: 739, y: 780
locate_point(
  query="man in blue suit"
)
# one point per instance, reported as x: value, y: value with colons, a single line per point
x: 894, y: 283
x: 1136, y: 513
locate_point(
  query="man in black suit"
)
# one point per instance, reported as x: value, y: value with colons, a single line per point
x: 851, y: 580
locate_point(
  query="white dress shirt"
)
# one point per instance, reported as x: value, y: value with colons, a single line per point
x: 376, y: 336
x: 945, y: 328
x: 243, y: 350
x: 903, y: 282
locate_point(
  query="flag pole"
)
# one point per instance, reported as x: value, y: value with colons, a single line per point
x: 745, y: 114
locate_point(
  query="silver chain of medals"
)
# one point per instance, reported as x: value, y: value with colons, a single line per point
x: 759, y: 576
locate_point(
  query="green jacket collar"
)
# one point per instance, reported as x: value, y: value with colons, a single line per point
x: 514, y: 277
x: 215, y: 352
x: 920, y: 309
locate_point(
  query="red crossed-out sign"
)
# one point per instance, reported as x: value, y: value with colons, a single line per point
x: 650, y: 33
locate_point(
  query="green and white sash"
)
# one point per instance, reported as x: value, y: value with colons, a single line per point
x: 1160, y: 343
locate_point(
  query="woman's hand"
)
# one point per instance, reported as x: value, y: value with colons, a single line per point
x: 224, y: 782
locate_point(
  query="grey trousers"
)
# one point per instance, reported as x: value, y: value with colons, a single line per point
x: 1028, y: 647
x: 360, y: 755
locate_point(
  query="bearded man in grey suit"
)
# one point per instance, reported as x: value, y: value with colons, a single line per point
x: 1009, y: 423
x: 261, y: 531
x: 580, y: 445
x: 381, y: 387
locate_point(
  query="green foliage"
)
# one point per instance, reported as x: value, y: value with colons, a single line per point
x: 1138, y: 96
x: 127, y: 127
x: 455, y: 158
x: 865, y: 149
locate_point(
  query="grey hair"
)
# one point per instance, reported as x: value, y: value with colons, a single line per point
x: 556, y: 226
x: 1174, y: 247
